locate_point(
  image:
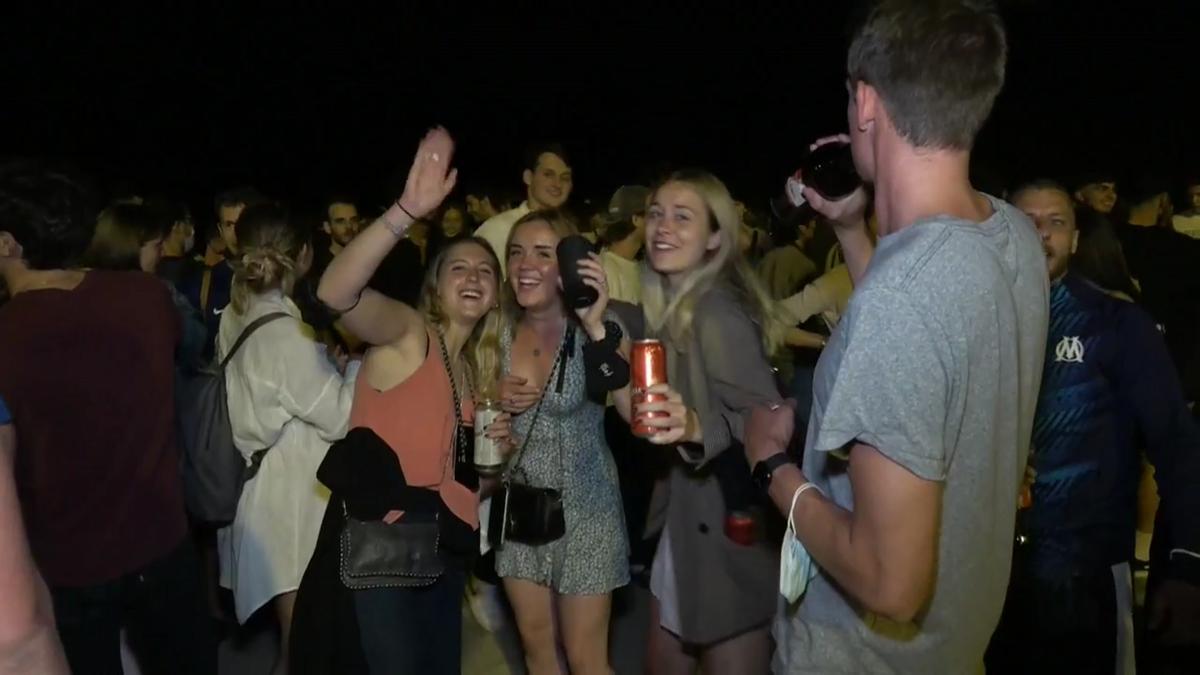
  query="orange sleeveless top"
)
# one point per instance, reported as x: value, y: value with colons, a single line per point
x: 416, y: 419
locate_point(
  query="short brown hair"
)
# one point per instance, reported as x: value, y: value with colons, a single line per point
x: 937, y: 64
x: 121, y: 232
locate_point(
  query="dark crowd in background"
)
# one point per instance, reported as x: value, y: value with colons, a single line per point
x: 901, y: 410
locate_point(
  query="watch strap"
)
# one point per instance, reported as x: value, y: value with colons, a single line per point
x: 765, y: 470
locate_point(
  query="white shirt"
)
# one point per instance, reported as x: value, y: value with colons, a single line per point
x: 286, y: 395
x: 497, y: 228
x: 624, y: 277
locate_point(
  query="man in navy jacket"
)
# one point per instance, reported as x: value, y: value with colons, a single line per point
x: 1109, y: 391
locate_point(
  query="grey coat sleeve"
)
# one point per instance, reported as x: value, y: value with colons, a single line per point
x: 738, y: 375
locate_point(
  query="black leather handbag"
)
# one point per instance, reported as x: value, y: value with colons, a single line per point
x: 406, y: 553
x: 521, y: 512
x: 526, y: 515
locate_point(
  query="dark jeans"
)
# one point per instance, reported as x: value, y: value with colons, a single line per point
x: 1057, y: 628
x: 414, y: 631
x: 161, y: 608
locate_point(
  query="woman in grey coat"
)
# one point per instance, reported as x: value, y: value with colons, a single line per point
x: 715, y: 597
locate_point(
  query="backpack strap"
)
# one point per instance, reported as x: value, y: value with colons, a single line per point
x: 248, y: 330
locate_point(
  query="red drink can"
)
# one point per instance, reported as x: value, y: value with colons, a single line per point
x: 648, y: 367
x: 741, y: 528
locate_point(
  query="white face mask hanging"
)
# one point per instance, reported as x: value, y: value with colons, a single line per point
x: 795, y: 565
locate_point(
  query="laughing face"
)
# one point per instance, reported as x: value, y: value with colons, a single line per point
x: 533, y: 265
x: 679, y: 230
x: 1100, y: 196
x: 467, y: 282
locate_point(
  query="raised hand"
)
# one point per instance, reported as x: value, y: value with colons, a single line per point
x: 846, y: 212
x: 430, y: 179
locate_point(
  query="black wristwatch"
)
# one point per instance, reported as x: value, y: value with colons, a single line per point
x: 765, y: 470
x: 612, y: 334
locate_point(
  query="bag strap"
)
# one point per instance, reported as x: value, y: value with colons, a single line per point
x: 459, y: 449
x: 248, y: 330
x: 515, y: 464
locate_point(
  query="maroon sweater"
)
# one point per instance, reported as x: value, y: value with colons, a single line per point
x: 88, y: 375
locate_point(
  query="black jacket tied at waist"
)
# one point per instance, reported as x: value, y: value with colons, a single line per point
x: 362, y: 471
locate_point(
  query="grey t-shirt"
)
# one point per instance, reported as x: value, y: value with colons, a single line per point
x: 936, y: 363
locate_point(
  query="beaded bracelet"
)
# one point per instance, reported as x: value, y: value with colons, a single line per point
x: 395, y: 229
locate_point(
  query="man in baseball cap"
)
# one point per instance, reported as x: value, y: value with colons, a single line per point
x: 622, y: 237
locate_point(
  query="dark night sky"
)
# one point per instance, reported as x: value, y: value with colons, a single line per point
x: 198, y: 97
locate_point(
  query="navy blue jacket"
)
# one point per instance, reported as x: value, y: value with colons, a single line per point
x: 1109, y: 391
x: 212, y: 303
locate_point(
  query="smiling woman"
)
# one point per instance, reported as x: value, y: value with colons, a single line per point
x: 714, y: 586
x: 543, y: 348
x: 404, y: 461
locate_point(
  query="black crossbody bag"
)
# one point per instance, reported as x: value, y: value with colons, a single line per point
x: 406, y: 553
x: 521, y: 512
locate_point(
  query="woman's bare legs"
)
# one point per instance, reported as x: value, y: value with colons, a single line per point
x: 667, y: 654
x: 745, y: 654
x: 534, y: 607
x: 285, y: 605
x: 585, y: 632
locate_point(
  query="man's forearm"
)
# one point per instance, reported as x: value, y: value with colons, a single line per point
x: 29, y: 644
x: 857, y: 249
x: 39, y: 654
x: 826, y: 530
x: 884, y: 551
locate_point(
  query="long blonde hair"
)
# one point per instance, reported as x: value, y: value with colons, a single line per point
x: 482, y: 350
x: 670, y: 312
x: 269, y: 248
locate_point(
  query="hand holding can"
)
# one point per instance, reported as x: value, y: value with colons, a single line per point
x: 663, y: 418
x: 491, y: 435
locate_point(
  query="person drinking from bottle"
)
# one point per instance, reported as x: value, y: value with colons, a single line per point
x: 554, y: 358
x: 714, y: 589
x: 923, y: 400
x: 403, y: 460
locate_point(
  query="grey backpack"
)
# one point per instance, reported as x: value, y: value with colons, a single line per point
x: 214, y: 471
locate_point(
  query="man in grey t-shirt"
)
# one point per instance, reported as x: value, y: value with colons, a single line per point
x: 924, y: 397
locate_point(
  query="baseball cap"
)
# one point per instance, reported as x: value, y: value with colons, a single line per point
x: 1091, y: 176
x: 627, y: 202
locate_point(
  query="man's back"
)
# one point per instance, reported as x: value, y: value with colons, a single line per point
x: 89, y: 376
x: 936, y: 364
